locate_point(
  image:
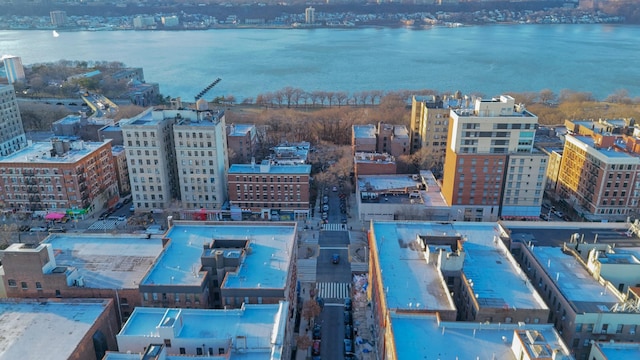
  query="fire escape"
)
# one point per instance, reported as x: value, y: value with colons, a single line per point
x: 33, y: 190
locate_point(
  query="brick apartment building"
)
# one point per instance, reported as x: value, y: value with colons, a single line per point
x: 275, y: 192
x: 59, y: 175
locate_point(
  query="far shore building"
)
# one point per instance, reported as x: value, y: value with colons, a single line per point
x: 252, y: 331
x: 67, y: 266
x: 57, y: 329
x: 402, y: 197
x: 455, y: 270
x: 270, y: 191
x: 61, y: 175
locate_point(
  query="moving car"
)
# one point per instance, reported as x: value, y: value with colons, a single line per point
x: 335, y: 258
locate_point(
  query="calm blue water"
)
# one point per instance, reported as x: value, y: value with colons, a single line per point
x: 489, y: 60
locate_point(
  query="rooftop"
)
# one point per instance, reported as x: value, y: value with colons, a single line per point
x: 279, y: 169
x: 260, y: 327
x: 364, y: 131
x: 617, y: 351
x: 40, y: 152
x: 395, y: 189
x: 408, y: 280
x: 366, y: 157
x: 32, y: 329
x: 422, y: 337
x: 617, y: 152
x: 574, y: 281
x: 497, y: 279
x: 106, y: 261
x: 266, y: 266
x: 240, y: 129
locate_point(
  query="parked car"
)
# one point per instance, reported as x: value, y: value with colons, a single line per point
x: 317, y: 332
x: 122, y: 218
x: 320, y: 302
x: 57, y: 230
x: 348, y: 332
x: 347, y: 318
x: 348, y: 346
x: 347, y: 304
x: 37, y: 229
x: 559, y: 214
x: 335, y: 258
x: 325, y: 207
x: 315, y: 348
x: 132, y: 208
x: 334, y: 189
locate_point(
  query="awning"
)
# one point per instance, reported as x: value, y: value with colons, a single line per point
x: 54, y: 216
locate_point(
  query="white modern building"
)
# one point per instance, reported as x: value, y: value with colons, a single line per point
x: 12, y: 137
x: 13, y: 68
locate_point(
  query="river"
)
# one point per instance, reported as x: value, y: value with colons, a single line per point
x: 488, y: 60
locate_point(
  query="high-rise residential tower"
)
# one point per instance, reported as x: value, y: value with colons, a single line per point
x: 13, y: 68
x: 491, y: 167
x: 12, y: 137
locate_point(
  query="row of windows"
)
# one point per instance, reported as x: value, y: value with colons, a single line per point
x: 271, y: 205
x: 144, y: 134
x: 264, y: 179
x: 23, y: 284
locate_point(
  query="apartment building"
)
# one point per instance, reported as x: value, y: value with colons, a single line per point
x: 177, y: 155
x: 34, y: 328
x: 459, y: 271
x: 12, y: 137
x: 169, y: 333
x: 584, y: 308
x: 201, y: 156
x: 599, y: 176
x: 13, y: 68
x: 68, y: 266
x: 492, y: 168
x: 223, y: 265
x: 274, y: 192
x: 429, y: 125
x: 148, y: 141
x: 122, y: 169
x: 242, y: 140
x: 58, y: 175
x: 460, y: 340
x: 383, y: 138
x: 366, y: 163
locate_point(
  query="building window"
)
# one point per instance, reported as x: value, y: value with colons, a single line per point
x: 38, y: 286
x: 167, y: 343
x: 12, y: 283
x: 24, y: 285
x: 182, y: 351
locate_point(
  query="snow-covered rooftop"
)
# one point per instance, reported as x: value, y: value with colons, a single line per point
x: 495, y: 274
x: 40, y: 152
x: 257, y: 329
x: 574, y: 281
x: 422, y: 337
x: 266, y: 266
x: 48, y: 330
x: 106, y: 261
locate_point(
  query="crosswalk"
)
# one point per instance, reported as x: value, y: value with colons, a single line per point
x: 334, y: 227
x: 107, y: 224
x: 333, y: 290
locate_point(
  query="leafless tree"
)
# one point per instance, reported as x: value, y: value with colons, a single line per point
x: 547, y: 96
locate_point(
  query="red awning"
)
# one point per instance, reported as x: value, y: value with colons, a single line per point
x: 54, y: 216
